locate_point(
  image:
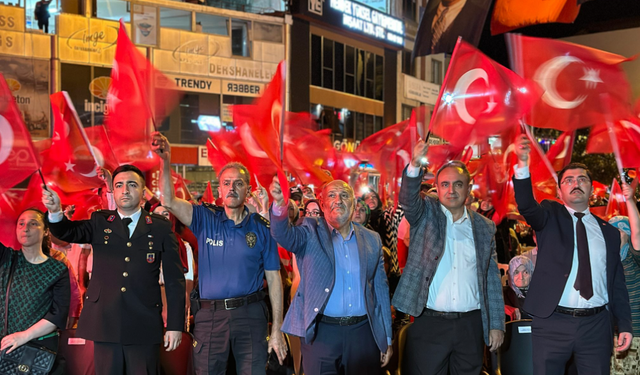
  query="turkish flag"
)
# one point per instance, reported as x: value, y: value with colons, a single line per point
x: 545, y: 184
x: 438, y: 155
x: 9, y: 211
x: 559, y: 153
x: 69, y: 163
x: 152, y: 180
x: 208, y: 194
x: 134, y: 110
x: 99, y: 141
x: 599, y: 189
x: 627, y: 134
x: 492, y: 178
x: 479, y: 98
x: 18, y: 159
x: 573, y: 78
x: 616, y: 205
x: 514, y: 14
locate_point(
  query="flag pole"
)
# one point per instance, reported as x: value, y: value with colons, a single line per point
x: 283, y: 112
x: 535, y: 144
x: 42, y: 178
x: 612, y: 135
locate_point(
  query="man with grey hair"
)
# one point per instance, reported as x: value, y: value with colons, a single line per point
x: 341, y: 309
x: 451, y: 283
x: 236, y: 251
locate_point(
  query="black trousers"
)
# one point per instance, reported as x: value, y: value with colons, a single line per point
x: 242, y: 330
x: 117, y: 359
x: 344, y: 350
x: 44, y: 25
x: 556, y: 338
x: 440, y: 346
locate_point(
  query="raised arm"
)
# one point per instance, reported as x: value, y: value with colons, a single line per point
x: 413, y: 205
x: 180, y: 208
x: 535, y: 215
x: 62, y: 228
x: 292, y: 238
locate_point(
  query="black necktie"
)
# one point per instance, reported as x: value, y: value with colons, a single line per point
x: 126, y: 221
x: 583, y: 281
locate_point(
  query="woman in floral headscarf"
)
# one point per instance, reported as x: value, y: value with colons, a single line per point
x: 520, y: 271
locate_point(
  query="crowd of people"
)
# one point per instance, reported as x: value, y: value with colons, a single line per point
x: 339, y: 274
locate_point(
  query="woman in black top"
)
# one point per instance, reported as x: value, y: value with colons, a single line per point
x: 40, y: 291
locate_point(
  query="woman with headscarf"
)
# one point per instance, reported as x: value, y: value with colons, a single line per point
x: 39, y: 294
x: 520, y: 271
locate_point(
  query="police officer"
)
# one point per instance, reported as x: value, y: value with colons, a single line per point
x: 236, y: 251
x: 123, y: 306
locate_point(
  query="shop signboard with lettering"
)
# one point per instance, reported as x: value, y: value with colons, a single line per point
x: 28, y: 80
x: 421, y: 91
x: 87, y: 87
x: 354, y: 16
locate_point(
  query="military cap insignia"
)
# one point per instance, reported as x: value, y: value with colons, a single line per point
x: 111, y: 218
x: 151, y: 257
x: 147, y: 219
x: 251, y: 239
x: 108, y: 230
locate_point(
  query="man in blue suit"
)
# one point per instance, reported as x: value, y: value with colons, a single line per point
x: 342, y: 310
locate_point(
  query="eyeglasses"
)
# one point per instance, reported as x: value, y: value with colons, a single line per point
x: 312, y: 213
x: 571, y: 180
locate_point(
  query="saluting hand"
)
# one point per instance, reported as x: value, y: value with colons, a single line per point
x: 51, y: 200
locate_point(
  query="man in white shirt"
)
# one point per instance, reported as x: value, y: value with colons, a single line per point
x: 451, y: 283
x: 577, y: 294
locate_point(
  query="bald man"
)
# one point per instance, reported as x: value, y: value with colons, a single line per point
x: 341, y: 309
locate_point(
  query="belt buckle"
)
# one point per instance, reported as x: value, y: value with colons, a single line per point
x: 227, y: 307
x: 344, y: 320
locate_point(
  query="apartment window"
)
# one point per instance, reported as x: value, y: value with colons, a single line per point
x: 267, y: 32
x: 409, y: 9
x: 338, y: 66
x: 350, y: 70
x: 379, y: 78
x: 175, y: 19
x: 327, y: 63
x: 406, y: 62
x: 211, y: 24
x: 316, y: 60
x: 240, y: 38
x: 436, y: 72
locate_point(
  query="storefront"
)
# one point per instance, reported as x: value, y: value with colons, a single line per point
x: 344, y: 69
x: 25, y: 64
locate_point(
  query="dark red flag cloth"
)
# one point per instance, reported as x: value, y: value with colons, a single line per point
x: 208, y: 194
x: 152, y: 179
x: 70, y: 162
x: 9, y: 211
x: 572, y: 78
x: 491, y: 182
x: 599, y: 189
x: 514, y: 14
x: 559, y: 153
x: 479, y: 98
x: 627, y: 134
x: 133, y: 108
x: 616, y: 206
x: 18, y: 159
x: 544, y: 182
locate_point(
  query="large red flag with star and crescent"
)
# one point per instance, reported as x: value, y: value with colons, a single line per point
x: 479, y: 98
x: 574, y: 79
x: 18, y: 158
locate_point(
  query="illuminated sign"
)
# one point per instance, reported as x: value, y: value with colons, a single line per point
x: 354, y: 16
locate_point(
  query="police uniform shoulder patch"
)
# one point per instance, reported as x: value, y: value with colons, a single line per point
x: 260, y: 219
x: 212, y: 207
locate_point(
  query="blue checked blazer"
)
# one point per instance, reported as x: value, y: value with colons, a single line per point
x: 312, y: 245
x: 428, y: 233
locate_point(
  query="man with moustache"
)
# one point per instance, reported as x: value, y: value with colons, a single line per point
x: 236, y: 252
x: 122, y: 311
x: 341, y: 309
x: 577, y: 294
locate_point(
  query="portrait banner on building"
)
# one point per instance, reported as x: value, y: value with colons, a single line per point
x: 145, y: 24
x: 28, y: 80
x: 443, y: 21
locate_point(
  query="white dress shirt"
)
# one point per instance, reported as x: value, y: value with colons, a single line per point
x: 454, y: 286
x: 451, y: 14
x: 597, y: 255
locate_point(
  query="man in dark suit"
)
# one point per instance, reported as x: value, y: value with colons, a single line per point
x: 123, y: 307
x: 341, y: 309
x: 577, y: 294
x: 451, y: 283
x: 444, y: 20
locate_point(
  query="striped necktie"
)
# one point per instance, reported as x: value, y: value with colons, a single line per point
x: 438, y: 28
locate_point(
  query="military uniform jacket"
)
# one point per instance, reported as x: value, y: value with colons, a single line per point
x: 123, y: 302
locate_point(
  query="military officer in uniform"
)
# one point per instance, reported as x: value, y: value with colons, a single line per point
x: 123, y: 306
x: 236, y: 252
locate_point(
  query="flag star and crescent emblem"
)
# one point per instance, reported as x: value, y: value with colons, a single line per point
x: 547, y: 77
x: 461, y: 91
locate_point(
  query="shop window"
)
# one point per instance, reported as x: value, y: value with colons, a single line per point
x: 182, y: 124
x: 379, y: 78
x: 316, y: 60
x: 175, y: 19
x: 211, y: 24
x: 327, y: 64
x: 436, y: 71
x: 240, y: 38
x: 105, y: 9
x: 267, y: 32
x: 339, y: 67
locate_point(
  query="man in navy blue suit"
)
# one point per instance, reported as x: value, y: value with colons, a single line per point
x: 577, y: 294
x: 341, y: 309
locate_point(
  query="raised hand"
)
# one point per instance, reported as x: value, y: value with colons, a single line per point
x: 419, y: 154
x: 51, y: 200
